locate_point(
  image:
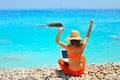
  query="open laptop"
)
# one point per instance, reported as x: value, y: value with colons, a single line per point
x: 64, y: 55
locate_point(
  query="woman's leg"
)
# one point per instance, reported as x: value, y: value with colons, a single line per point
x: 83, y: 63
x: 64, y: 66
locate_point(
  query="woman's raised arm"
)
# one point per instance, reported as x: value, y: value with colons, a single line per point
x: 88, y: 33
x: 58, y: 39
x: 58, y: 35
x: 90, y: 28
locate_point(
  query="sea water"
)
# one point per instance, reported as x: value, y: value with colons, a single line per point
x: 26, y: 42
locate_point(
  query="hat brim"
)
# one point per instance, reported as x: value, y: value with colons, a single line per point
x: 68, y: 39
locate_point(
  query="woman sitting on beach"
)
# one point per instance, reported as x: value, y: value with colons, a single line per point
x: 77, y: 62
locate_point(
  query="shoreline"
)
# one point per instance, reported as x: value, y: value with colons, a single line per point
x: 107, y: 71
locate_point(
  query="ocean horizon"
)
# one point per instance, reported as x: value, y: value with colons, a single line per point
x: 25, y: 43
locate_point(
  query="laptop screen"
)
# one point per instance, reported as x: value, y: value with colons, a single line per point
x: 64, y: 54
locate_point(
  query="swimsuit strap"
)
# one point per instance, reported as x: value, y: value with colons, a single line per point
x: 74, y: 56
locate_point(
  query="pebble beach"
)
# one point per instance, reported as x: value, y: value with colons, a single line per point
x: 108, y: 71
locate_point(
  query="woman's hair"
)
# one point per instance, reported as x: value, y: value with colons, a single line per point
x: 76, y: 43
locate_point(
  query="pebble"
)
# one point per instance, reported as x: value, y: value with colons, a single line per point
x: 55, y: 79
x: 1, y: 78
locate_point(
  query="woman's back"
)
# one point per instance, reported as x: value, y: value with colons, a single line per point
x: 74, y: 55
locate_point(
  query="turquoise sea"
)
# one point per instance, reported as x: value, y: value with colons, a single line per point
x: 24, y: 43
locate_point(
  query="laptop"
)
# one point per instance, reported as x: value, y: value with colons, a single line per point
x: 64, y: 55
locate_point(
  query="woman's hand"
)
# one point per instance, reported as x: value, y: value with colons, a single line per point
x: 91, y: 21
x: 61, y: 29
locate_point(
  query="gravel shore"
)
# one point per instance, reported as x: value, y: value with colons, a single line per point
x: 108, y: 71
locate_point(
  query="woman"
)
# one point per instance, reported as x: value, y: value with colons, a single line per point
x: 75, y: 49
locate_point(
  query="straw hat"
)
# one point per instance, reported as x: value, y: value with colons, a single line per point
x: 75, y: 35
